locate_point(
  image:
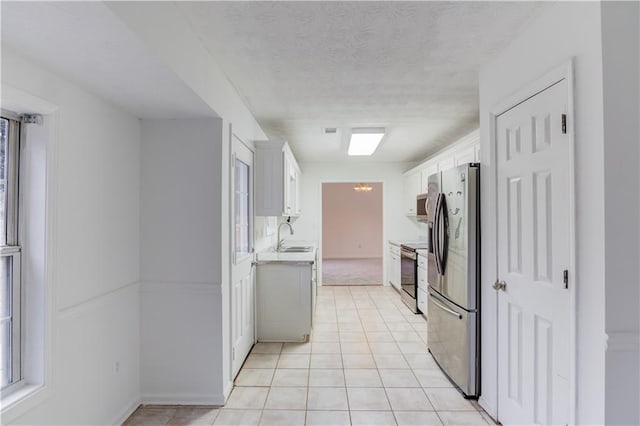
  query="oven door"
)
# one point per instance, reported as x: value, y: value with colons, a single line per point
x: 409, y: 271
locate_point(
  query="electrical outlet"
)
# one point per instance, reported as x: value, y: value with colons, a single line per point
x: 116, y: 367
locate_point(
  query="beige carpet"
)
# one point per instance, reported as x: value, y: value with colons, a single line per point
x: 352, y: 271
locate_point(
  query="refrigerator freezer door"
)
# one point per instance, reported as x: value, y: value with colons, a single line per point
x: 459, y: 283
x: 452, y: 342
x: 433, y: 189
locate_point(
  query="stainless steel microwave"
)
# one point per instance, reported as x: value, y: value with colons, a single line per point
x: 422, y: 207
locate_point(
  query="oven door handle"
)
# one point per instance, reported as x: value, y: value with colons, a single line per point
x: 411, y: 255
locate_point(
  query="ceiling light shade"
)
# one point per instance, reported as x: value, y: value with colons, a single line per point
x: 365, y: 141
x: 362, y: 187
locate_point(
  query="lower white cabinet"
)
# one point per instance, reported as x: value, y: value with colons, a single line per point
x: 423, y: 291
x: 394, y: 266
x: 423, y: 301
x: 284, y: 299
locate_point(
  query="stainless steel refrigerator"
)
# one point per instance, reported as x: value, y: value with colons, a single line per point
x: 453, y: 207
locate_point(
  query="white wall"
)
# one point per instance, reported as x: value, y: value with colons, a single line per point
x: 351, y: 221
x: 396, y: 225
x: 92, y: 172
x: 167, y: 33
x: 563, y: 31
x: 265, y: 233
x: 165, y: 30
x: 181, y: 351
x: 620, y: 41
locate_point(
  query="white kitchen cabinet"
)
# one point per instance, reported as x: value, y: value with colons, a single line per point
x: 466, y: 155
x: 284, y: 299
x: 423, y: 302
x: 412, y: 187
x: 394, y: 266
x: 423, y: 292
x: 465, y: 150
x: 446, y: 163
x: 277, y: 180
x: 292, y: 187
x: 424, y: 176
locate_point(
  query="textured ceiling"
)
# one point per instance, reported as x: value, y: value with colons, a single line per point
x: 85, y: 43
x: 408, y: 66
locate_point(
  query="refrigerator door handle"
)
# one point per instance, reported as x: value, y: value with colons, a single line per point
x: 447, y: 310
x: 443, y: 222
x: 435, y: 236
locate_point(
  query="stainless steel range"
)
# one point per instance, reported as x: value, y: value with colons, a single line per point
x: 409, y: 274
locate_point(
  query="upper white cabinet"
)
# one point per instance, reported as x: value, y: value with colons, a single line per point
x: 277, y: 180
x: 446, y: 163
x: 465, y: 150
x: 412, y: 185
x: 425, y: 173
x: 466, y: 155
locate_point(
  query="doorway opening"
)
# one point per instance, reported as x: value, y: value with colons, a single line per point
x: 352, y: 240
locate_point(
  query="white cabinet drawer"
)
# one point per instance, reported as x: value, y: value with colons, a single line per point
x: 422, y: 282
x: 422, y: 273
x: 423, y: 299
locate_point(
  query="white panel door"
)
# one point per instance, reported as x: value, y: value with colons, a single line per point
x: 533, y: 253
x: 242, y: 279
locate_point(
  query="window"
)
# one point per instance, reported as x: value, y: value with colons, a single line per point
x: 242, y: 195
x: 10, y: 252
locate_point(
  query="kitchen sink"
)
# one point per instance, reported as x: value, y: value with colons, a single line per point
x: 296, y: 249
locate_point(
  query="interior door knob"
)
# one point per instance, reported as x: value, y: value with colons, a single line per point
x: 500, y: 285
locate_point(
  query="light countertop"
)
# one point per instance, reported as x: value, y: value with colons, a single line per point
x: 398, y: 243
x: 271, y: 255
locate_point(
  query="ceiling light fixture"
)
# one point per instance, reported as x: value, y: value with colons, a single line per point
x: 362, y: 187
x: 364, y: 141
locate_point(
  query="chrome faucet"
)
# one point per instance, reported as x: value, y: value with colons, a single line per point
x: 281, y: 241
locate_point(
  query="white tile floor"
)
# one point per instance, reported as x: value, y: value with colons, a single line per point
x: 367, y: 364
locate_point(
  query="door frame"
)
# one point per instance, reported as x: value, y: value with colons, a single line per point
x: 562, y: 72
x: 385, y: 255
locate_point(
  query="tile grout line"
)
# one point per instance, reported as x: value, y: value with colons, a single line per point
x: 361, y: 300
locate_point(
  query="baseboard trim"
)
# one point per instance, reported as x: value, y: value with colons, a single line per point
x: 228, y: 387
x: 118, y: 420
x: 184, y: 399
x: 487, y: 408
